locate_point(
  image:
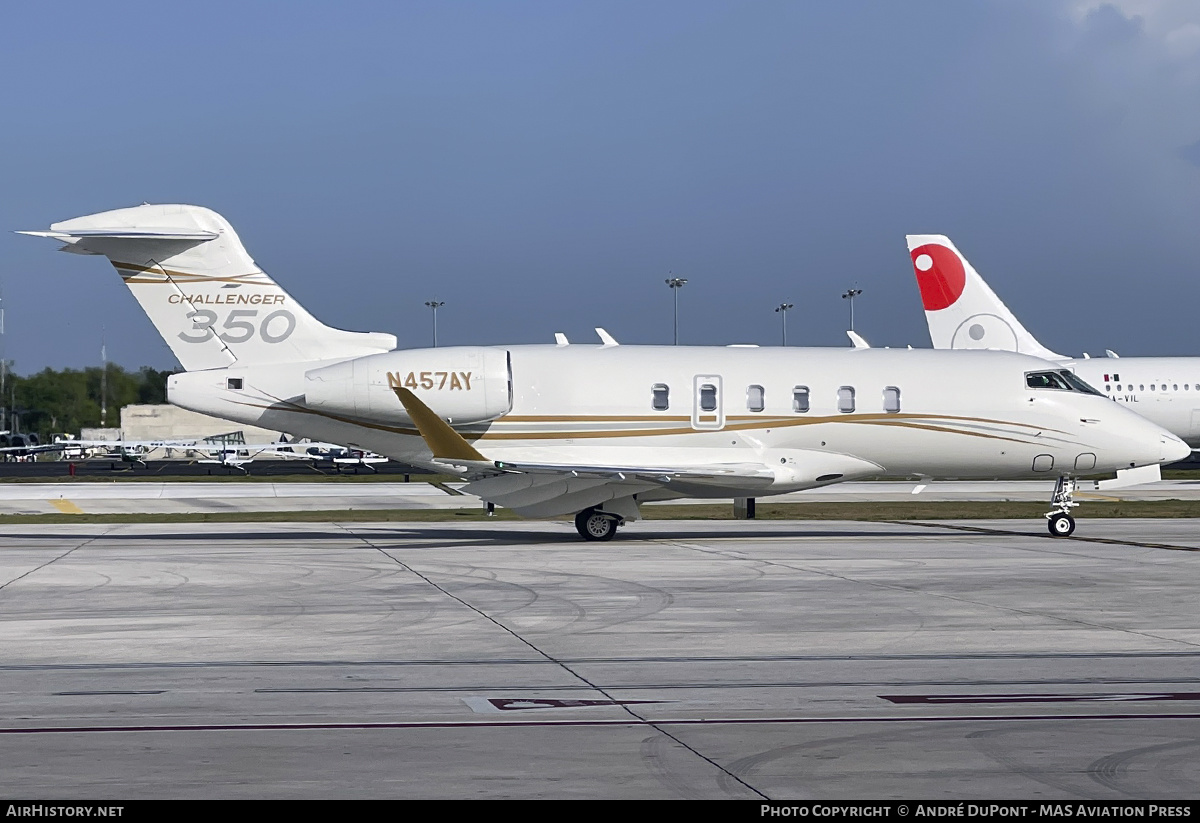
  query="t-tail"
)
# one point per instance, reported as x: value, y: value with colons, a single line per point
x: 962, y: 311
x: 206, y: 296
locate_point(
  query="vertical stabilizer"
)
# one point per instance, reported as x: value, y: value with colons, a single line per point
x: 206, y: 296
x: 961, y: 310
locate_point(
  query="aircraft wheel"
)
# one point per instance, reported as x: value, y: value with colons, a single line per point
x: 593, y: 524
x: 1061, y: 525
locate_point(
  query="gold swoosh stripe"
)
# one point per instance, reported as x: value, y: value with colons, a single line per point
x: 763, y: 422
x: 583, y: 435
x: 157, y: 276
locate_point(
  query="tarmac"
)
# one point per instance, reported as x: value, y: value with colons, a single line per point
x: 702, y: 660
x: 117, y: 496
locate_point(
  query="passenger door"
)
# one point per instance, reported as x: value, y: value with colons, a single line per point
x: 708, y: 411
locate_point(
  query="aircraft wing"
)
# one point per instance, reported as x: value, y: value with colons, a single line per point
x: 547, y: 481
x: 41, y: 447
x: 647, y: 473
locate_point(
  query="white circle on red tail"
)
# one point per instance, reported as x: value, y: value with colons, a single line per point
x: 924, y: 262
x: 984, y: 331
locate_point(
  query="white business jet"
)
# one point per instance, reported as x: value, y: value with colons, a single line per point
x: 964, y: 313
x: 596, y: 430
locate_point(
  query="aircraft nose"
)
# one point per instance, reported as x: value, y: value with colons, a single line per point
x: 1174, y: 449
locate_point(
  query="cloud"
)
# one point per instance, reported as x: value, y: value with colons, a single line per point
x: 1183, y: 43
x: 1170, y: 26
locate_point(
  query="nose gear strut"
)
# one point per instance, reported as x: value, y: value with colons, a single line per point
x: 1059, y: 520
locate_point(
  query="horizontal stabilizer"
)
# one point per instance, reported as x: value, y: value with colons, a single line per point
x: 126, y: 234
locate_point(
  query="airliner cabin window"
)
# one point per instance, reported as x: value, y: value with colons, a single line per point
x: 234, y: 383
x: 891, y: 399
x: 708, y: 397
x: 800, y: 399
x: 846, y: 399
x: 662, y: 397
x: 755, y: 398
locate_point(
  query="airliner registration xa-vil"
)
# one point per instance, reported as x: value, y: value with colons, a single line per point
x: 596, y: 430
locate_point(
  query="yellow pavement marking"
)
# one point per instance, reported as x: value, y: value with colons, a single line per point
x: 66, y: 506
x: 1094, y: 496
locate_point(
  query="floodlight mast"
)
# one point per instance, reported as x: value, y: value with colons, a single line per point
x: 676, y: 283
x: 435, y: 305
x: 782, y: 310
x: 850, y: 294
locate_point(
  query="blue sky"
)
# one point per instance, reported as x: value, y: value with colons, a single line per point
x: 545, y: 166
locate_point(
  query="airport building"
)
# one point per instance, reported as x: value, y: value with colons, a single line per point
x: 167, y: 422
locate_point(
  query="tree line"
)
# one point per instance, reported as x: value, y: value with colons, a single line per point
x: 66, y: 401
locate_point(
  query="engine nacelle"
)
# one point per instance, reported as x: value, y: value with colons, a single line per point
x: 461, y: 384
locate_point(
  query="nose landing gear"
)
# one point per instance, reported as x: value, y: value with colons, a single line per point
x: 1059, y: 520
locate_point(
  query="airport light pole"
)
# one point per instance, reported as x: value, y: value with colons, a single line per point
x: 850, y: 294
x: 103, y: 382
x: 676, y: 283
x: 782, y: 309
x: 435, y: 305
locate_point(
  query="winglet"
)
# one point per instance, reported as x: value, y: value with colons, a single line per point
x: 442, y: 440
x: 607, y: 339
x: 857, y: 340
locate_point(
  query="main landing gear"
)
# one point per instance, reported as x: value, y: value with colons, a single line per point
x: 593, y: 524
x: 1059, y: 520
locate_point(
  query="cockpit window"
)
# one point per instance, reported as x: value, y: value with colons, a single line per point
x: 1078, y: 383
x: 1046, y: 380
x: 1063, y: 380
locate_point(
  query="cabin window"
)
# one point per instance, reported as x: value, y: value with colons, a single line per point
x: 1174, y: 387
x: 755, y: 398
x: 661, y: 397
x: 234, y: 383
x: 708, y: 397
x: 1141, y: 386
x: 891, y: 399
x: 800, y: 399
x: 846, y: 399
